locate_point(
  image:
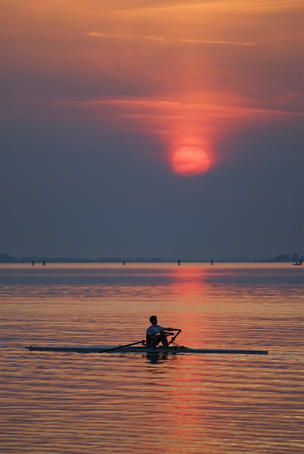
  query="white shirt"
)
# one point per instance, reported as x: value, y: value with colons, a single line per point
x: 154, y: 329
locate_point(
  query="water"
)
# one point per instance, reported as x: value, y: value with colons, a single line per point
x: 124, y: 403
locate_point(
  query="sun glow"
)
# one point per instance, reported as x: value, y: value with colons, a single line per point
x: 190, y: 160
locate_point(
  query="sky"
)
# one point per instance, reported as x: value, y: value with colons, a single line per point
x: 140, y: 128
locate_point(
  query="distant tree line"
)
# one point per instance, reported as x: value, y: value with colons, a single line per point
x: 7, y: 258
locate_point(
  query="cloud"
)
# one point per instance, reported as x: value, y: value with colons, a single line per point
x: 167, y: 120
x: 146, y: 107
x: 125, y: 36
x: 170, y: 41
x: 217, y: 42
x: 146, y: 7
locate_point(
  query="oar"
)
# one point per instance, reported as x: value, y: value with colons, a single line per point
x: 119, y: 347
x: 175, y: 336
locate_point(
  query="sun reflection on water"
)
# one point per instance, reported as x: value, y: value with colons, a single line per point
x: 194, y: 403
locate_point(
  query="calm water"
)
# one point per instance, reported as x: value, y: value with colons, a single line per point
x: 77, y: 403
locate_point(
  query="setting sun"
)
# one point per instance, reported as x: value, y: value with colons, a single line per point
x: 190, y: 160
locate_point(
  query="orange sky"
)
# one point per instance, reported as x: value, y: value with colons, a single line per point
x: 164, y: 128
x: 185, y: 73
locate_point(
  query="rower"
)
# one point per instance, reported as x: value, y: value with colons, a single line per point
x: 156, y: 334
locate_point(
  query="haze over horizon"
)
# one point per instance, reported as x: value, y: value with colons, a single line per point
x: 156, y: 129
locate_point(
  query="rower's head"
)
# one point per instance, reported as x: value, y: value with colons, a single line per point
x: 153, y: 320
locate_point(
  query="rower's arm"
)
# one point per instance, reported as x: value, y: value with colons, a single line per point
x: 172, y: 329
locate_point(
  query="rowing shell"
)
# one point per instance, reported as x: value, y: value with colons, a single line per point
x: 170, y: 350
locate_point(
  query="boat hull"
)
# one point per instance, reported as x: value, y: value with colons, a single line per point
x: 143, y: 350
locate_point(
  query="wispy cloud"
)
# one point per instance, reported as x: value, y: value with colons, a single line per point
x: 148, y: 107
x: 216, y: 42
x: 242, y: 6
x: 125, y: 36
x: 171, y: 41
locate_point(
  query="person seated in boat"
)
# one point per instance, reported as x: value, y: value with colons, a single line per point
x: 156, y: 334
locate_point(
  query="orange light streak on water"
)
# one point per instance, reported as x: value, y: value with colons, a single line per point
x: 201, y: 403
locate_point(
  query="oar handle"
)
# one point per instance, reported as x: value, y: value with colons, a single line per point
x: 178, y: 331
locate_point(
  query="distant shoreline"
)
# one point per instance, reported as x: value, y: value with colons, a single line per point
x: 282, y: 258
